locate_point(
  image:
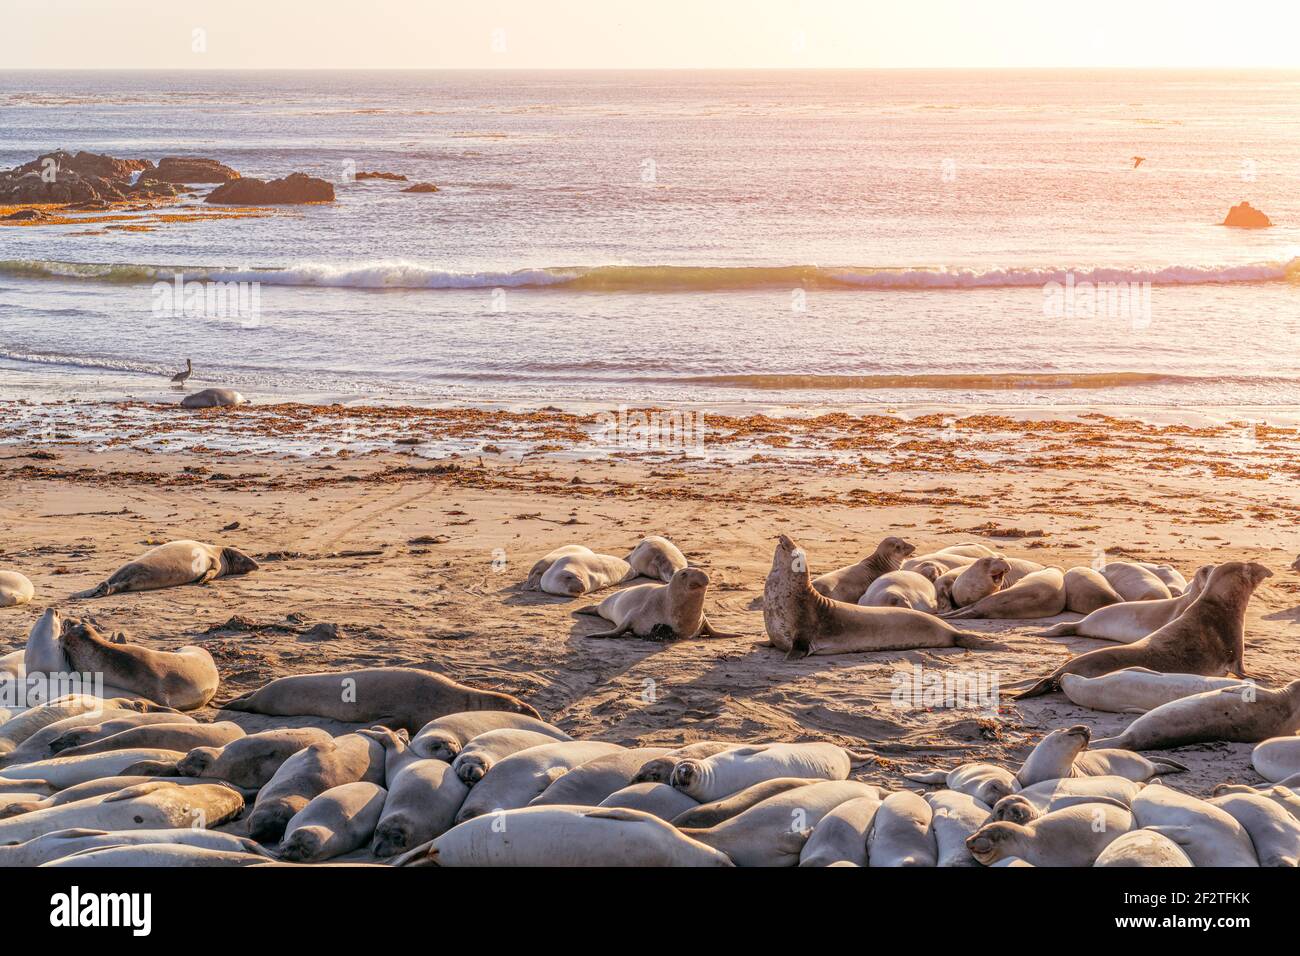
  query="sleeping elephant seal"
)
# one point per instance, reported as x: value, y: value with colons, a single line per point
x: 582, y: 572
x: 1038, y: 594
x: 656, y: 557
x: 1133, y: 582
x: 963, y: 586
x: 1135, y: 690
x: 591, y: 782
x: 956, y: 818
x: 1143, y: 848
x: 1208, y: 638
x: 404, y: 698
x: 184, y: 679
x: 159, y: 805
x: 801, y: 621
x: 986, y: 782
x: 1074, y: 836
x: 443, y: 738
x: 1244, y: 713
x: 519, y: 778
x: 657, y: 799
x: 250, y: 762
x: 565, y: 836
x: 730, y: 771
x: 423, y: 800
x: 15, y: 589
x: 672, y: 611
x: 841, y: 836
x: 1131, y: 621
x: 1277, y: 759
x: 486, y: 750
x: 214, y: 398
x: 338, y: 821
x: 901, y: 833
x: 711, y: 814
x: 1086, y: 590
x: 1274, y: 832
x: 660, y: 770
x: 63, y: 843
x: 774, y: 832
x: 849, y: 583
x: 310, y: 772
x: 944, y: 560
x: 172, y: 565
x: 176, y: 736
x: 902, y: 589
x: 1207, y: 834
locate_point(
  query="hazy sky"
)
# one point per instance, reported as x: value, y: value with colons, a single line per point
x: 198, y: 34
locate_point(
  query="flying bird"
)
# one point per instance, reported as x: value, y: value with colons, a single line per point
x: 1138, y: 161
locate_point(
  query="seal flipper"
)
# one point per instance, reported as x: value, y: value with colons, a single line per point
x: 242, y: 703
x: 1047, y: 685
x: 619, y: 631
x: 589, y: 609
x: 932, y: 777
x: 1064, y: 629
x: 98, y: 591
x: 800, y: 648
x: 1167, y: 765
x: 975, y: 641
x: 707, y: 630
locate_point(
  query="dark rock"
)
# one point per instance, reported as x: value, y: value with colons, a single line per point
x: 394, y: 177
x: 1246, y: 216
x: 187, y: 170
x: 294, y: 189
x: 421, y: 188
x: 24, y: 215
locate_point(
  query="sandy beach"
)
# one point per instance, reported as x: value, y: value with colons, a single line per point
x: 413, y: 553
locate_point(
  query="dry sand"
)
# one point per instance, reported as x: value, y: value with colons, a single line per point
x: 411, y: 556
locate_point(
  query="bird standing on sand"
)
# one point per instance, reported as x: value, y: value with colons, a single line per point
x: 180, y: 377
x: 1138, y: 161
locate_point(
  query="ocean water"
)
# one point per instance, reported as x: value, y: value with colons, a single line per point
x: 816, y: 238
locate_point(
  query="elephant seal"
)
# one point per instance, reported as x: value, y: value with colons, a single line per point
x: 712, y: 778
x: 710, y: 814
x: 802, y: 622
x: 672, y: 611
x: 100, y: 786
x: 423, y: 799
x: 956, y: 817
x: 1143, y: 848
x: 1277, y: 759
x: 902, y: 589
x: 565, y: 836
x: 443, y: 737
x: 1133, y: 582
x: 942, y: 561
x: 180, y: 737
x: 1244, y: 713
x: 310, y: 772
x: 1074, y: 836
x: 1274, y: 832
x: 150, y: 805
x: 17, y: 730
x: 1135, y: 690
x: 44, y: 652
x: 15, y: 589
x: 64, y: 772
x: 185, y: 679
x: 660, y: 770
x: 1019, y: 569
x: 404, y: 698
x: 590, y: 782
x: 581, y: 572
x: 849, y: 583
x: 1087, y: 590
x: 656, y: 799
x: 482, y: 753
x: 543, y: 564
x: 172, y: 565
x: 214, y: 398
x: 1040, y: 594
x: 1131, y: 621
x: 901, y: 834
x: 1284, y: 797
x: 522, y: 776
x: 64, y: 843
x: 338, y: 821
x: 656, y: 557
x: 775, y: 831
x: 1123, y: 763
x: 1037, y: 799
x: 1208, y: 638
x: 160, y: 855
x: 1209, y: 835
x: 251, y: 761
x: 55, y: 739
x: 1168, y: 574
x: 1053, y: 757
x: 964, y: 586
x: 986, y: 782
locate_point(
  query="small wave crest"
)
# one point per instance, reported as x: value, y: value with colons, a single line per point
x: 651, y: 278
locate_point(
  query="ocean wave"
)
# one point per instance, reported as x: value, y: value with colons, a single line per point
x: 653, y: 278
x: 964, y: 381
